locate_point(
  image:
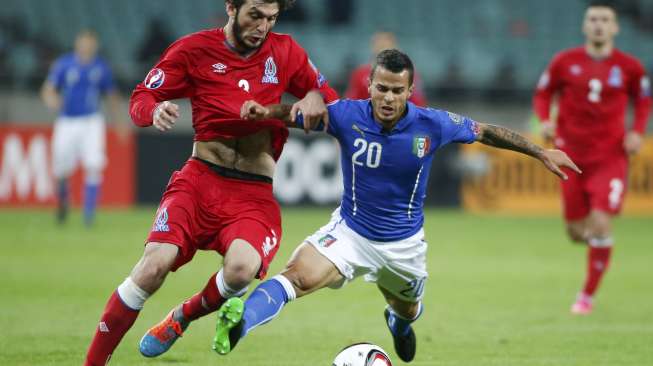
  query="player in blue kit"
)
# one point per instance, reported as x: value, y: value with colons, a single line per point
x: 387, y: 145
x: 74, y: 88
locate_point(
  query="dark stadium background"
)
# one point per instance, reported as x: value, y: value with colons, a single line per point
x: 479, y: 58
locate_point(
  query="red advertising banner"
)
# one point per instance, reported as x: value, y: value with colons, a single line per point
x: 26, y: 169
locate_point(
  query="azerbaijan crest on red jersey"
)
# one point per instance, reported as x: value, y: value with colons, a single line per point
x: 270, y: 76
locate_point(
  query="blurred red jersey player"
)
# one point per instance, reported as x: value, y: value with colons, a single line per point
x: 594, y: 85
x: 359, y: 81
x: 221, y: 199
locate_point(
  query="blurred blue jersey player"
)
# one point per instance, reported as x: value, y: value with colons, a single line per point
x: 74, y: 88
x: 387, y: 145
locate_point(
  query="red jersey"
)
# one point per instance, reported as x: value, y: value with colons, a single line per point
x: 203, y: 67
x: 593, y: 100
x: 359, y: 81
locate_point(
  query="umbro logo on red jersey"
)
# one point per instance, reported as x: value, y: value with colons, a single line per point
x: 219, y: 68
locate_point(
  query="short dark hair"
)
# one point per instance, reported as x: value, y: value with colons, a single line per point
x: 283, y: 4
x: 394, y: 61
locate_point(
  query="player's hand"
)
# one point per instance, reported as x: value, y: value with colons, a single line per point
x: 554, y: 160
x: 165, y: 115
x: 633, y: 142
x: 251, y: 110
x: 313, y: 109
x: 548, y: 131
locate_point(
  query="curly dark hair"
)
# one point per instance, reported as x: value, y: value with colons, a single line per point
x: 283, y: 4
x: 394, y: 61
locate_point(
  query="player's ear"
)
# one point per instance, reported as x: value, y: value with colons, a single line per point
x: 411, y: 90
x: 369, y: 85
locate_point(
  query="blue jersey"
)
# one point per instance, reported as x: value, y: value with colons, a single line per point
x: 80, y: 85
x: 385, y: 173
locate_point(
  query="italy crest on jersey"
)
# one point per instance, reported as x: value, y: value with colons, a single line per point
x: 270, y: 76
x: 421, y: 145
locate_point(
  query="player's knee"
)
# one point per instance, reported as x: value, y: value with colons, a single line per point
x: 600, y: 227
x: 302, y: 280
x: 576, y: 234
x: 149, y: 274
x: 240, y: 273
x: 151, y: 270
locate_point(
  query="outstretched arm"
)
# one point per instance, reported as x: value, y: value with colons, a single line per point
x: 254, y: 111
x: 504, y: 138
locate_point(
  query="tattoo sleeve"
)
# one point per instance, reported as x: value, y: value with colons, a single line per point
x: 504, y: 138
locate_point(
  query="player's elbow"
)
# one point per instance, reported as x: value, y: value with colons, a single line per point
x: 140, y: 109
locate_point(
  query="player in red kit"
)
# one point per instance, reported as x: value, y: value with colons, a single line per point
x: 359, y: 80
x: 594, y: 85
x: 221, y: 199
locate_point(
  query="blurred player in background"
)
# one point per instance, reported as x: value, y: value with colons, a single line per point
x: 359, y: 80
x: 221, y: 200
x: 594, y: 84
x: 74, y: 88
x: 387, y: 146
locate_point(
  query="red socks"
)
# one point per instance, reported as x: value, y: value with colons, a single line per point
x: 598, y: 260
x: 204, y: 302
x: 115, y: 322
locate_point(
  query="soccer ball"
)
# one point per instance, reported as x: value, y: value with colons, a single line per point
x: 362, y: 354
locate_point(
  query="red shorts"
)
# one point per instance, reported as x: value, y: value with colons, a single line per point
x: 204, y: 210
x: 602, y: 186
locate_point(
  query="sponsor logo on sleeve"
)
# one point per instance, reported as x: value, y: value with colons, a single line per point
x: 455, y: 118
x: 270, y: 76
x: 154, y: 79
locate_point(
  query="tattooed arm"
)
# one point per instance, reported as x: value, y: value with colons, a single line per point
x: 504, y: 138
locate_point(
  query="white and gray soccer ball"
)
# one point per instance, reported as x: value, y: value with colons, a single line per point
x: 362, y: 354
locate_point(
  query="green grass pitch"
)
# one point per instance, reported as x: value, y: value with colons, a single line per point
x: 498, y: 294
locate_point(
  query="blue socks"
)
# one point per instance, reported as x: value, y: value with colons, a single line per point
x: 91, y: 192
x: 399, y: 325
x: 62, y: 200
x: 266, y: 302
